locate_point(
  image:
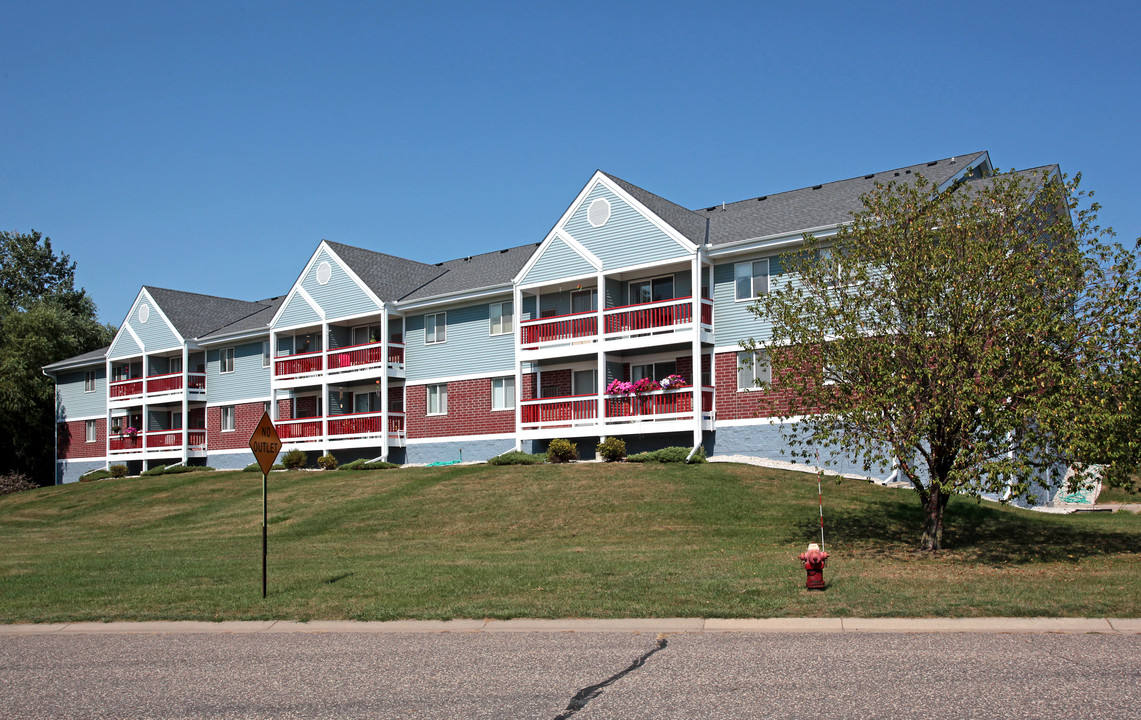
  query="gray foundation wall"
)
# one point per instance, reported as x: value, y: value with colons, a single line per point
x: 68, y: 471
x: 448, y: 451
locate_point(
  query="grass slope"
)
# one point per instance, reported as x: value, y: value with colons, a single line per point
x: 546, y: 541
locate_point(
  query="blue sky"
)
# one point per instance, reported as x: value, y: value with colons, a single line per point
x: 209, y: 147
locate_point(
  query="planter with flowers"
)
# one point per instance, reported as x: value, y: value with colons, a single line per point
x: 640, y: 397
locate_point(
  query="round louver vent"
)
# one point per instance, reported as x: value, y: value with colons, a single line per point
x: 599, y: 212
x: 144, y: 313
x: 324, y: 272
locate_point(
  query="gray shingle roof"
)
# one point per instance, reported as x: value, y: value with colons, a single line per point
x: 816, y: 206
x: 251, y: 323
x: 95, y: 357
x: 390, y: 277
x: 195, y: 315
x: 689, y: 223
x: 477, y: 271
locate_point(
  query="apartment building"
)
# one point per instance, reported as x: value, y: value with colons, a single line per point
x: 377, y: 356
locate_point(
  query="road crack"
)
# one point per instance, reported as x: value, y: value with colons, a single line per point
x: 582, y: 697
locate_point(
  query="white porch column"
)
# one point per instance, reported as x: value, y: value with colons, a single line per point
x: 385, y: 342
x: 146, y: 408
x: 695, y: 381
x: 517, y: 332
x: 600, y: 339
x: 324, y: 403
x: 185, y: 403
x: 107, y: 408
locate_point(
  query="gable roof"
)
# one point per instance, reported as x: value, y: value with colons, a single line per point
x: 389, y: 276
x: 816, y: 206
x: 94, y: 357
x: 250, y: 323
x: 689, y: 223
x: 195, y: 315
x: 477, y: 271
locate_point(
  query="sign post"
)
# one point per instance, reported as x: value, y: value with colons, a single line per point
x: 265, y: 445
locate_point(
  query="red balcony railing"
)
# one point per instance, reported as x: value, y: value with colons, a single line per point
x: 300, y: 364
x: 126, y: 443
x: 707, y: 312
x: 173, y: 438
x: 365, y: 424
x: 356, y: 356
x: 561, y: 327
x: 395, y: 354
x: 305, y: 428
x: 649, y: 316
x: 126, y: 388
x: 559, y: 412
x: 164, y: 383
x: 658, y: 402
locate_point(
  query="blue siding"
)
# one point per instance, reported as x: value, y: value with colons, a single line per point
x: 341, y: 296
x: 732, y: 320
x: 154, y: 333
x: 621, y: 291
x: 469, y: 348
x: 559, y: 260
x: 73, y: 402
x: 248, y: 381
x: 124, y: 345
x: 628, y: 238
x: 297, y: 312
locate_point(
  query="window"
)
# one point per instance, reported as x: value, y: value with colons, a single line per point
x: 175, y: 420
x: 503, y: 394
x: 583, y: 382
x: 438, y: 399
x: 435, y: 328
x: 549, y: 312
x: 228, y: 423
x: 751, y: 369
x: 226, y: 360
x: 501, y: 317
x: 752, y: 279
x: 363, y: 334
x: 265, y: 353
x: 653, y: 371
x: 644, y: 291
x: 584, y: 300
x: 89, y: 382
x: 90, y: 428
x: 175, y: 365
x: 120, y: 372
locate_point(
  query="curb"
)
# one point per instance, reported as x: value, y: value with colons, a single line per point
x: 991, y: 625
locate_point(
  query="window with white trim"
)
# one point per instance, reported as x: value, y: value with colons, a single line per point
x: 226, y: 360
x: 435, y: 328
x: 652, y: 290
x: 265, y: 358
x: 653, y: 371
x: 228, y: 423
x: 90, y: 430
x: 753, y: 368
x: 583, y: 383
x: 437, y: 399
x: 751, y: 279
x: 502, y: 317
x: 89, y: 381
x: 503, y: 393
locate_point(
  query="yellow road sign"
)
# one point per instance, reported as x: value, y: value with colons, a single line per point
x: 265, y: 443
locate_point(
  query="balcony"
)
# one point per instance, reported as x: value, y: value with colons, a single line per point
x: 357, y: 426
x: 618, y: 323
x: 581, y: 411
x: 355, y: 358
x: 158, y: 387
x: 299, y: 365
x: 160, y: 440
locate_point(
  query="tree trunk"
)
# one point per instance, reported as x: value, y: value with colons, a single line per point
x: 933, y: 518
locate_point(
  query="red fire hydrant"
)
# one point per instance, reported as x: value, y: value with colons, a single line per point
x: 814, y: 559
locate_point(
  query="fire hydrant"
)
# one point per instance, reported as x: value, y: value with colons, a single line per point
x: 814, y: 559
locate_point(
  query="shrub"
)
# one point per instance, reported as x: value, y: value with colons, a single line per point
x: 177, y: 469
x: 118, y: 471
x: 518, y: 458
x: 254, y: 467
x: 327, y: 462
x: 92, y: 475
x: 295, y: 459
x: 14, y: 482
x: 612, y: 449
x: 673, y: 454
x: 362, y: 464
x: 561, y: 451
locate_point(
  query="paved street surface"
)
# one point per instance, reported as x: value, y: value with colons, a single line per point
x: 627, y: 674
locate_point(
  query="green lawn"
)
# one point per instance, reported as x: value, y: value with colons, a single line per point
x: 584, y: 540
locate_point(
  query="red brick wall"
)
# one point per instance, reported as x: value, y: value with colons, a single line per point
x: 469, y: 411
x: 285, y: 409
x: 558, y: 379
x: 246, y: 417
x: 732, y: 404
x: 71, y: 441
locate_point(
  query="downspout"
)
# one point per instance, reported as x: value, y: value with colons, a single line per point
x: 517, y: 332
x: 185, y: 403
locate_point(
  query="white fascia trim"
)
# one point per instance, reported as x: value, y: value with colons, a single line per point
x: 561, y: 281
x: 235, y: 403
x: 455, y: 298
x: 557, y: 233
x: 458, y: 438
x: 356, y: 278
x: 458, y: 378
x: 101, y: 416
x: 558, y: 225
x: 981, y: 159
x: 627, y: 269
x: 579, y: 248
x: 297, y: 286
x: 662, y: 225
x: 131, y: 332
x: 63, y: 366
x: 759, y: 421
x: 231, y: 339
x: 767, y: 242
x: 161, y: 314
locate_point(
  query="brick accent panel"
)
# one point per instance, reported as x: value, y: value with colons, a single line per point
x: 732, y: 404
x: 558, y: 379
x: 285, y: 409
x: 307, y: 406
x: 246, y: 417
x: 469, y: 411
x: 530, y: 389
x: 71, y: 439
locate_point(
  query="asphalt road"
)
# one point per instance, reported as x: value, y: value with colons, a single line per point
x: 564, y: 675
